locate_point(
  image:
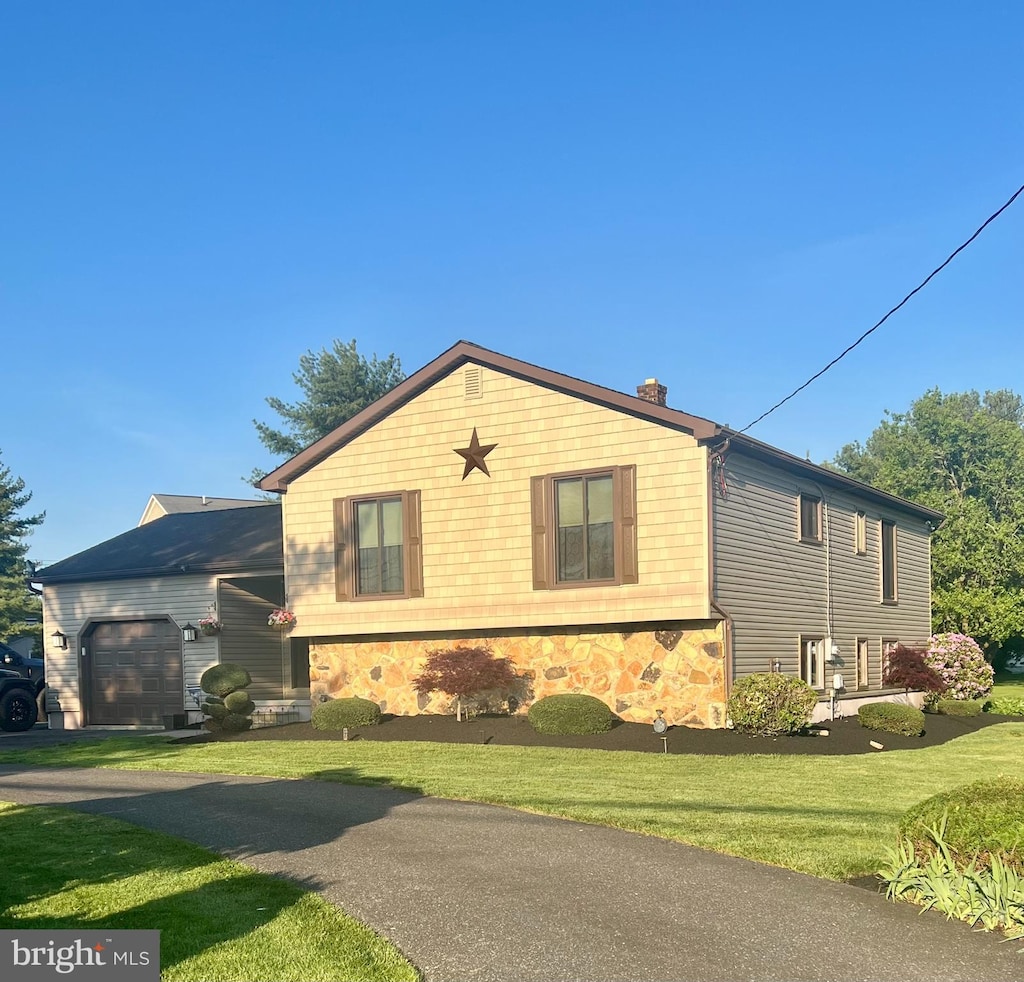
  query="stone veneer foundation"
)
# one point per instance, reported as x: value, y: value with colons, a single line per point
x: 678, y: 667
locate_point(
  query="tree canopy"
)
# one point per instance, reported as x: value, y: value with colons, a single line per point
x: 336, y: 383
x: 18, y: 605
x: 962, y: 454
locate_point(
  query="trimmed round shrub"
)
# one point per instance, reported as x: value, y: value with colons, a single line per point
x: 570, y: 713
x: 239, y: 702
x: 892, y: 718
x: 336, y: 714
x: 213, y: 725
x: 959, y: 707
x: 224, y: 678
x: 960, y: 663
x: 771, y: 704
x: 983, y: 819
x: 215, y: 710
x: 236, y: 723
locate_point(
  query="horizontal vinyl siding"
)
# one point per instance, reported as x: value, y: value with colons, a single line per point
x: 246, y: 640
x: 774, y: 585
x: 70, y: 607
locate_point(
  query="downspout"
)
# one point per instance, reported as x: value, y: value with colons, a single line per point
x: 716, y: 457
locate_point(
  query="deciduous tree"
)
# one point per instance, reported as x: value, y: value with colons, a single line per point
x: 962, y: 454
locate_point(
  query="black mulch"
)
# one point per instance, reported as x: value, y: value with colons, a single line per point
x: 845, y: 736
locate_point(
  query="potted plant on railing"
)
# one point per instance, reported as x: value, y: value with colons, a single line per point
x: 283, y: 619
x: 209, y: 625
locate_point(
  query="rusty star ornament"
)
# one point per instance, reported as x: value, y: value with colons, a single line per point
x: 474, y: 456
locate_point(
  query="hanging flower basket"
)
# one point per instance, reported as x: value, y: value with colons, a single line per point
x: 282, y: 619
x: 209, y: 626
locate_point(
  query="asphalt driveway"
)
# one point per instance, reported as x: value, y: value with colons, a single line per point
x: 475, y: 892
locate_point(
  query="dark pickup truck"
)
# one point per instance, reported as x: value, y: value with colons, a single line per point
x: 22, y: 682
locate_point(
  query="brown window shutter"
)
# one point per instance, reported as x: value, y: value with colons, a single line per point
x: 625, y: 479
x: 413, y: 544
x: 343, y: 587
x: 539, y: 523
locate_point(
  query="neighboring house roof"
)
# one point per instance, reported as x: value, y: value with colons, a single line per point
x: 703, y: 430
x: 174, y: 504
x: 191, y: 542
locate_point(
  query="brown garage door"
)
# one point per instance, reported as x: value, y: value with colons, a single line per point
x: 134, y: 672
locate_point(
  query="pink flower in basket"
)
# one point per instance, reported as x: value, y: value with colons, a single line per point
x: 282, y: 619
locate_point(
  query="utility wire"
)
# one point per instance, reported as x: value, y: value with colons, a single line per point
x: 938, y: 269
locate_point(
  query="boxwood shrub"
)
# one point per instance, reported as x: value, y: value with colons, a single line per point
x: 771, y: 704
x: 983, y: 819
x: 569, y: 713
x: 336, y: 714
x: 892, y: 718
x: 224, y: 678
x: 959, y: 707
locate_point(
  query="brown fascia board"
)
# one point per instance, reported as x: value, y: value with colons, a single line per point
x: 823, y: 475
x: 460, y: 353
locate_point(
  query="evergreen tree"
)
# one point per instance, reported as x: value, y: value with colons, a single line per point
x: 337, y: 383
x: 18, y: 605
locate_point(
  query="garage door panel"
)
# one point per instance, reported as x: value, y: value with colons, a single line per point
x: 135, y: 672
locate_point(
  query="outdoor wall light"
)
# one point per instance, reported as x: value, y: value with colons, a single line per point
x: 188, y: 633
x: 60, y: 639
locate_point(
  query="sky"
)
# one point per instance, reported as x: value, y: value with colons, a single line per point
x: 722, y: 195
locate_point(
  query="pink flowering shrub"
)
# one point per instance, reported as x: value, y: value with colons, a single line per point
x: 960, y: 663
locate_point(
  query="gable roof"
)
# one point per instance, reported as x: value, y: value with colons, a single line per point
x: 190, y: 542
x: 703, y: 430
x: 173, y: 504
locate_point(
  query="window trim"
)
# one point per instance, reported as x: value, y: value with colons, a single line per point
x: 894, y: 599
x: 886, y: 647
x: 801, y: 497
x: 346, y: 554
x: 545, y: 532
x: 860, y: 533
x: 862, y: 665
x: 819, y: 656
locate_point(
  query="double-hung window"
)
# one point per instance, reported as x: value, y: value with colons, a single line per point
x: 378, y: 552
x: 810, y: 518
x: 584, y: 528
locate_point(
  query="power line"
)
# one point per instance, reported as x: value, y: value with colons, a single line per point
x: 938, y: 269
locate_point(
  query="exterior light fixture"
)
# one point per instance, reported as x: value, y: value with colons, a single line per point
x: 60, y: 639
x: 188, y: 633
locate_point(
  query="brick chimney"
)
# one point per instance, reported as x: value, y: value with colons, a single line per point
x: 652, y: 391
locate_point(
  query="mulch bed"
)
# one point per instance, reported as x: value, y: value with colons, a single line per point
x: 846, y: 736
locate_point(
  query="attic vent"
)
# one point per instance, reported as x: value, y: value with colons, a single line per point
x: 474, y: 382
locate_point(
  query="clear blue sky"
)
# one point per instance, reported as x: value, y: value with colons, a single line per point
x: 723, y: 195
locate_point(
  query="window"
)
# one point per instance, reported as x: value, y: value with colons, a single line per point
x: 863, y: 648
x: 812, y: 661
x: 584, y: 528
x: 888, y: 647
x: 810, y: 518
x: 888, y: 562
x: 378, y: 553
x: 860, y: 533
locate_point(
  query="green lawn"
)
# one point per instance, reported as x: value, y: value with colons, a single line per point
x: 1008, y: 685
x: 218, y: 919
x: 829, y: 816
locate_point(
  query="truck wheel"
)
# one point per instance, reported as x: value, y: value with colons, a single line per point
x: 17, y: 710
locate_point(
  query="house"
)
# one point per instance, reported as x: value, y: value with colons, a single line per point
x: 115, y: 617
x: 174, y: 504
x: 604, y: 542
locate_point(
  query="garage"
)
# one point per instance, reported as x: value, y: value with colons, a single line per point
x: 133, y: 672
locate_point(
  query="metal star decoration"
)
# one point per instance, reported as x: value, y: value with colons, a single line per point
x: 474, y: 456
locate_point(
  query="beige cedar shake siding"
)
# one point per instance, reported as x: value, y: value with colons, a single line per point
x: 477, y: 567
x: 678, y: 668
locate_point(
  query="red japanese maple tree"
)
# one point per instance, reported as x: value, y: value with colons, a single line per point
x: 464, y: 672
x: 906, y: 667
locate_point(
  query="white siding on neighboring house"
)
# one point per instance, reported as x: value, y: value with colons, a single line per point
x: 71, y: 607
x: 777, y: 587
